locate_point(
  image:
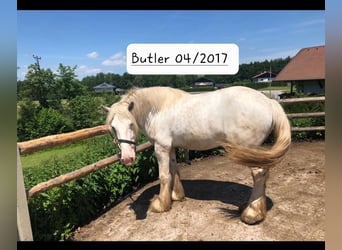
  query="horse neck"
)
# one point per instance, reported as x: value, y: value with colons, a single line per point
x: 150, y: 101
x: 145, y: 107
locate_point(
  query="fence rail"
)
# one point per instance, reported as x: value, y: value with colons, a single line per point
x: 303, y: 99
x: 23, y: 219
x: 305, y: 115
x: 43, y: 186
x: 60, y: 139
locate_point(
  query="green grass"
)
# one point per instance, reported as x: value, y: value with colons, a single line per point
x: 38, y: 158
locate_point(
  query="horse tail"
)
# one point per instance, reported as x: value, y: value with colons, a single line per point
x: 263, y: 156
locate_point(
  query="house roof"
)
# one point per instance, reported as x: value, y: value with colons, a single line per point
x: 307, y: 64
x: 265, y: 73
x: 104, y: 85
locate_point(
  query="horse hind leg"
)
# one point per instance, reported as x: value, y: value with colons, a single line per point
x: 177, y: 187
x: 255, y: 210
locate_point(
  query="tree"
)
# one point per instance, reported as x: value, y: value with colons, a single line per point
x: 27, y: 113
x: 66, y: 85
x: 23, y: 90
x: 127, y: 81
x: 39, y: 81
x: 89, y: 82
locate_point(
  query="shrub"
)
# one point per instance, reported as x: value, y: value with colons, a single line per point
x: 27, y: 111
x: 60, y: 210
x: 35, y: 122
x: 84, y: 111
x: 49, y: 122
x: 306, y: 107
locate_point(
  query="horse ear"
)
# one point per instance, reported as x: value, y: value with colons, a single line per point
x: 131, y: 106
x: 105, y: 108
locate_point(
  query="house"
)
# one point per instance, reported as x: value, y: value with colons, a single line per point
x: 204, y: 82
x: 104, y: 87
x: 265, y: 76
x: 306, y: 71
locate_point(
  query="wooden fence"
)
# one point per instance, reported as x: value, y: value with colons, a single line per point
x: 305, y: 115
x: 23, y: 218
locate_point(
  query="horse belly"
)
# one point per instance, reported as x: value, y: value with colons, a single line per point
x: 198, y: 141
x: 198, y: 131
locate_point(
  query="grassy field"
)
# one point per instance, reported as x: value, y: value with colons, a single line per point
x: 36, y: 159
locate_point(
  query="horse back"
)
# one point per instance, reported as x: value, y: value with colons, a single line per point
x: 237, y: 114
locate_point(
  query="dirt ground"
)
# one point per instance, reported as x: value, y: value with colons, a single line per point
x: 214, y: 189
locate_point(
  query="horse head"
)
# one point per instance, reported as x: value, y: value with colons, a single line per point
x: 124, y: 129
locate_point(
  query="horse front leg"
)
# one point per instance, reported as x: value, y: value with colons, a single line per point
x: 177, y: 187
x: 255, y: 210
x: 162, y: 202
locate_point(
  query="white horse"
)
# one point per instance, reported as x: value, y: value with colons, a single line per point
x: 239, y: 119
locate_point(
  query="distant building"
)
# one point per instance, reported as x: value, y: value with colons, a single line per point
x: 204, y: 82
x: 265, y: 76
x: 104, y: 87
x: 220, y: 85
x: 306, y: 71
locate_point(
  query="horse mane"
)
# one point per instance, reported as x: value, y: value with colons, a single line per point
x: 142, y: 102
x: 120, y: 106
x: 129, y: 95
x: 158, y: 93
x: 152, y: 99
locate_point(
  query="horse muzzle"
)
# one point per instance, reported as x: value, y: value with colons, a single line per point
x: 128, y: 148
x: 128, y: 161
x: 127, y: 152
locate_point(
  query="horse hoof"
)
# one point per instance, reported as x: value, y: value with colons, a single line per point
x: 251, y: 218
x: 255, y: 212
x: 177, y: 197
x: 158, y: 206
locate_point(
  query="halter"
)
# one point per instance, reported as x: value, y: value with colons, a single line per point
x: 119, y: 141
x: 125, y: 141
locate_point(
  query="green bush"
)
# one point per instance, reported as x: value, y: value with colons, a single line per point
x: 50, y: 122
x: 35, y: 122
x: 84, y: 111
x: 259, y: 85
x: 60, y: 210
x: 107, y: 98
x: 27, y: 110
x: 306, y: 107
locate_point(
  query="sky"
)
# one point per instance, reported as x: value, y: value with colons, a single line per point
x: 96, y: 41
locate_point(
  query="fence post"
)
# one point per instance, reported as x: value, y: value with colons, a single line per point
x: 23, y: 216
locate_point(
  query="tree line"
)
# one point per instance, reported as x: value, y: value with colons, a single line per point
x: 43, y: 85
x: 57, y: 102
x: 126, y: 81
